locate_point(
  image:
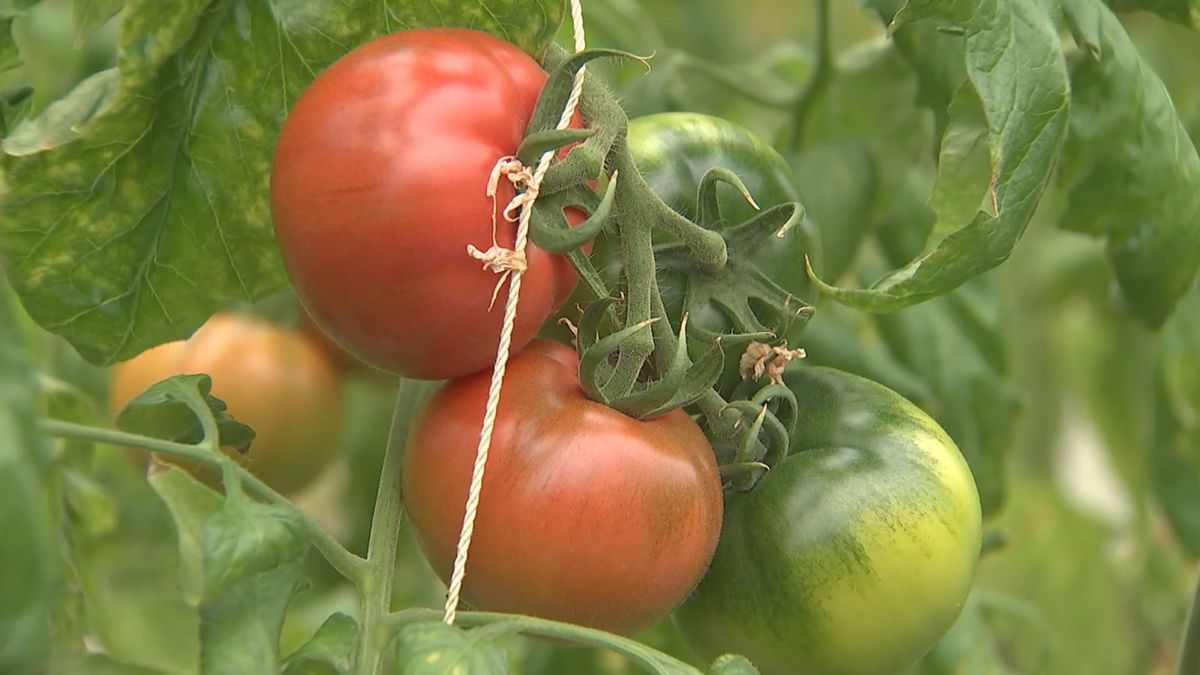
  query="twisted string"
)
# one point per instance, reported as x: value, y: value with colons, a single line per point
x: 510, y: 264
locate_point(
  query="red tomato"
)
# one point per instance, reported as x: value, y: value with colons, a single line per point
x: 379, y: 185
x: 586, y: 515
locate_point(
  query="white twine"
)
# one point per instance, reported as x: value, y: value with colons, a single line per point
x: 495, y: 259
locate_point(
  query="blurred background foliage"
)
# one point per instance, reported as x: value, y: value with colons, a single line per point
x: 1083, y: 428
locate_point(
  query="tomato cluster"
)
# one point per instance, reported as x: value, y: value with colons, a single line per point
x: 851, y: 556
x: 378, y: 188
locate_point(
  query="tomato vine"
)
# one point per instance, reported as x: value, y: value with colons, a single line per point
x: 332, y: 159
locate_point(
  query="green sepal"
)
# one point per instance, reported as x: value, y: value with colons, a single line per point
x: 708, y: 210
x: 733, y: 288
x: 778, y: 392
x: 766, y: 440
x: 588, y: 331
x: 553, y: 99
x: 776, y: 221
x: 539, y: 143
x: 734, y: 472
x: 749, y: 448
x: 660, y: 392
x: 700, y: 378
x: 548, y: 226
x: 594, y: 362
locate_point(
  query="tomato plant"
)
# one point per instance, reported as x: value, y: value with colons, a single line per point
x: 377, y: 188
x: 275, y: 379
x: 589, y: 516
x: 852, y: 179
x: 854, y: 554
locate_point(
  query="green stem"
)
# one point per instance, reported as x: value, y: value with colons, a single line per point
x: 376, y: 587
x: 346, y: 563
x: 711, y: 404
x: 817, y: 81
x: 650, y: 659
x: 637, y: 256
x: 1189, y: 652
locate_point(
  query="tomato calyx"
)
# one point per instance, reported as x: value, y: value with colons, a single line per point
x: 682, y: 382
x: 748, y: 298
x: 635, y: 355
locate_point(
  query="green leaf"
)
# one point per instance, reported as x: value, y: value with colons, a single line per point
x: 1183, y: 12
x: 9, y: 56
x: 191, y: 503
x: 90, y: 503
x: 239, y: 628
x: 934, y: 54
x: 31, y: 558
x: 845, y: 340
x: 62, y: 120
x: 837, y: 181
x: 1015, y: 63
x: 140, y: 203
x: 529, y: 24
x: 1189, y: 653
x: 962, y: 164
x: 244, y: 538
x: 1175, y: 453
x: 1132, y: 171
x: 1175, y: 476
x: 328, y: 652
x: 176, y: 410
x: 14, y: 106
x: 102, y: 664
x: 91, y: 14
x: 64, y: 401
x: 434, y: 648
x: 732, y: 664
x: 854, y: 159
x: 968, y: 648
x: 241, y: 564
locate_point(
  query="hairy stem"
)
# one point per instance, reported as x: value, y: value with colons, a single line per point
x: 376, y: 587
x: 711, y: 404
x: 637, y: 256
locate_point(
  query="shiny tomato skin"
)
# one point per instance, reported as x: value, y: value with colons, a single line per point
x: 586, y: 515
x: 379, y: 185
x: 274, y: 379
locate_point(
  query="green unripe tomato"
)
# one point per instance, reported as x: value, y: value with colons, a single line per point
x: 674, y: 150
x: 853, y: 555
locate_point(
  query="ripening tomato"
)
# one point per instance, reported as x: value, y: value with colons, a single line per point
x: 274, y: 379
x: 378, y: 187
x: 854, y: 554
x: 586, y: 515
